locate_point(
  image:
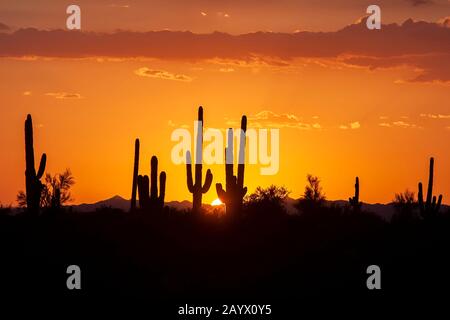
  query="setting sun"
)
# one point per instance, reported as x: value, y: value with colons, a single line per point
x: 216, y: 202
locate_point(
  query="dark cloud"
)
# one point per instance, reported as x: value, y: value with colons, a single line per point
x: 429, y: 67
x: 417, y: 3
x: 392, y: 40
x: 419, y: 44
x: 4, y: 27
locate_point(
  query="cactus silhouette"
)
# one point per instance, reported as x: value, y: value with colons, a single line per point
x: 430, y: 208
x: 354, y: 201
x: 135, y: 175
x: 196, y: 187
x: 33, y: 184
x: 235, y: 190
x: 148, y: 190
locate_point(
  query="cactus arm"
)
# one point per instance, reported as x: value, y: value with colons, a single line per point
x: 42, y: 164
x: 243, y: 192
x: 221, y: 193
x: 208, y: 181
x: 438, y: 205
x: 162, y: 187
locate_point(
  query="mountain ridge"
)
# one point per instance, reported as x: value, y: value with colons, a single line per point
x: 384, y: 210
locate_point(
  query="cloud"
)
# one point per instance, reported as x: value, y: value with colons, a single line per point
x: 226, y: 70
x: 203, y: 13
x: 419, y: 45
x: 351, y: 125
x: 428, y: 67
x: 27, y: 93
x: 161, y: 74
x: 410, y: 38
x: 417, y: 3
x: 4, y: 27
x: 435, y: 116
x: 64, y: 95
x: 123, y: 6
x: 269, y: 119
x: 445, y: 22
x: 399, y: 124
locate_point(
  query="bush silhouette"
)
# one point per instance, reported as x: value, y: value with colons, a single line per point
x: 405, y: 206
x: 270, y: 200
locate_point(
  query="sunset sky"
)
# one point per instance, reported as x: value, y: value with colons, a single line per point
x: 348, y: 101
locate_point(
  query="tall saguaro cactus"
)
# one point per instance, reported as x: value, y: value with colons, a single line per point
x: 235, y: 190
x: 135, y: 175
x: 430, y: 208
x: 33, y: 184
x: 354, y: 201
x: 196, y: 187
x: 148, y: 191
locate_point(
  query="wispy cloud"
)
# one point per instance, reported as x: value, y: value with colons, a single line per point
x: 269, y: 119
x: 204, y: 14
x: 4, y: 27
x: 64, y: 95
x: 161, y: 74
x: 123, y: 6
x: 26, y: 93
x: 226, y: 70
x: 351, y: 125
x: 435, y: 116
x: 399, y: 124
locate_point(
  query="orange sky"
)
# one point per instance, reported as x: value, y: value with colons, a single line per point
x: 376, y: 112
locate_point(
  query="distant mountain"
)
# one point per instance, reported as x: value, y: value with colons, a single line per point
x: 383, y: 210
x: 118, y: 202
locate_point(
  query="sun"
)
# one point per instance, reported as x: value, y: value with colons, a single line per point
x: 216, y: 202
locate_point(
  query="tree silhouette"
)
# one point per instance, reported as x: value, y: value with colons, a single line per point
x: 313, y: 198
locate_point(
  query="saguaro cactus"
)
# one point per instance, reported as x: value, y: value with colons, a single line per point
x: 235, y: 190
x: 135, y: 175
x: 33, y: 184
x: 148, y: 192
x: 430, y: 208
x: 196, y: 187
x: 354, y: 201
